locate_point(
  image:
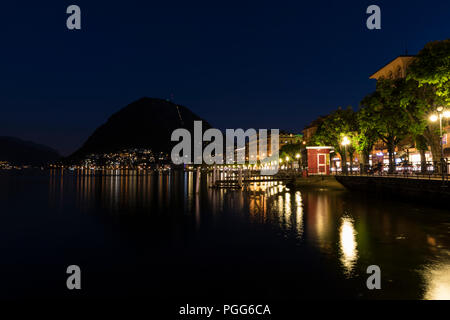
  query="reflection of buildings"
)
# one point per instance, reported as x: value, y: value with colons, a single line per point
x: 318, y: 211
x: 320, y: 222
x: 270, y: 202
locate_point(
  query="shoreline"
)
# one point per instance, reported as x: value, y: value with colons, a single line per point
x: 317, y: 182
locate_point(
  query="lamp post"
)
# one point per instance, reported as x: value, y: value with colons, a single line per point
x: 345, y: 142
x: 297, y: 156
x: 441, y: 113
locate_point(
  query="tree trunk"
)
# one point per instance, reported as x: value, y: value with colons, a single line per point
x: 350, y: 154
x: 434, y: 141
x: 423, y: 161
x: 344, y: 162
x: 436, y: 154
x: 364, y: 161
x: 422, y: 147
x: 391, y: 149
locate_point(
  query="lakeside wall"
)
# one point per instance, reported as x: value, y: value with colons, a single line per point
x: 322, y: 182
x: 417, y: 189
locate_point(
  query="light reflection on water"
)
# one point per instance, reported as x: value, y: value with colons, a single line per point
x: 437, y: 282
x: 411, y: 244
x: 348, y: 244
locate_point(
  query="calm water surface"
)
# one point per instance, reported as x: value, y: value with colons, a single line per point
x: 153, y: 236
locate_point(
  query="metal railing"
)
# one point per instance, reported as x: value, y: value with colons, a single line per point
x: 430, y: 171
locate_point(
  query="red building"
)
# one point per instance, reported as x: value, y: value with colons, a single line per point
x: 318, y: 160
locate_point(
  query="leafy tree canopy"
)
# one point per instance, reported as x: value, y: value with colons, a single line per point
x: 291, y: 150
x: 335, y: 127
x: 383, y: 113
x: 432, y: 67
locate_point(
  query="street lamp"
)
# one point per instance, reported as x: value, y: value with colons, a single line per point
x: 434, y: 118
x: 441, y: 113
x: 345, y: 142
x: 446, y: 114
x: 297, y: 156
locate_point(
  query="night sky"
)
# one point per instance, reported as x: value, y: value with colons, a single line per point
x: 274, y: 64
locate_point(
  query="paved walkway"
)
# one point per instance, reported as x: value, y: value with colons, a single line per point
x: 400, y: 176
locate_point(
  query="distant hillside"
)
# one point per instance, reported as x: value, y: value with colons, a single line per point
x: 20, y: 152
x: 146, y: 123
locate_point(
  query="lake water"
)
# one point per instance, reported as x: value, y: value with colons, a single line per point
x: 154, y: 236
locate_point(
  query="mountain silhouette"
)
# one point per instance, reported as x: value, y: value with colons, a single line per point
x: 146, y: 123
x: 20, y: 152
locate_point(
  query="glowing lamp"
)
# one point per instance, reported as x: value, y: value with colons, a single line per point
x: 434, y: 118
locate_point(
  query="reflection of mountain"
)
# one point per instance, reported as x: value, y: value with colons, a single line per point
x: 20, y: 152
x: 146, y: 123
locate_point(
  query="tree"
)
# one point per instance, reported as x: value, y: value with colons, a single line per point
x: 417, y: 101
x: 432, y: 67
x: 332, y: 131
x: 291, y: 150
x: 430, y: 70
x: 366, y: 138
x: 382, y: 114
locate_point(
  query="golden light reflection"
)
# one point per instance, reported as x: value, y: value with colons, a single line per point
x: 437, y: 282
x: 287, y: 204
x: 299, y: 213
x: 348, y: 245
x: 280, y: 204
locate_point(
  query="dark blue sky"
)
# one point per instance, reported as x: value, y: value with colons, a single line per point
x: 274, y: 64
